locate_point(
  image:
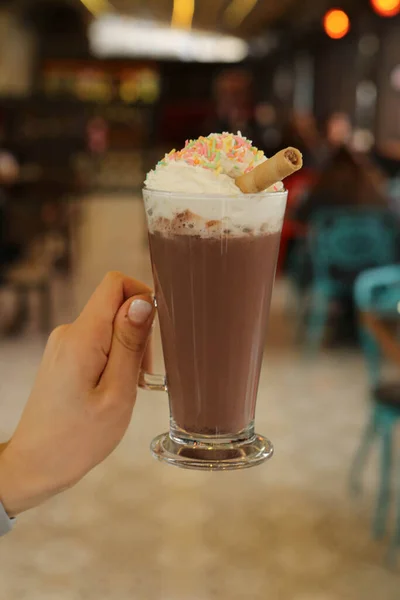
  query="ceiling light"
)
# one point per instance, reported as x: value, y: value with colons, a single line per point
x: 119, y: 36
x: 97, y: 7
x: 336, y: 24
x: 386, y: 8
x: 182, y: 15
x: 237, y: 11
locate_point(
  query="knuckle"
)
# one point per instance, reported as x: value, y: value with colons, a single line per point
x: 113, y: 276
x: 107, y: 403
x: 58, y: 334
x: 114, y: 407
x: 130, y: 342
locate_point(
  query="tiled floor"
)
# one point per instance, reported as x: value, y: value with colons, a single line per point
x: 136, y: 529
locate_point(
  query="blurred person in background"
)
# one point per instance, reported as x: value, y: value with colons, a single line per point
x: 319, y: 149
x: 270, y: 133
x: 82, y: 400
x: 234, y: 104
x: 346, y: 181
x: 338, y: 130
x: 344, y: 178
x: 302, y: 132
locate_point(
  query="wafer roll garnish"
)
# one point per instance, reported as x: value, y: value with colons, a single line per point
x: 276, y: 168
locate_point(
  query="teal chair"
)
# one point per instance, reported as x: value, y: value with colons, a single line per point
x: 377, y: 291
x: 342, y: 244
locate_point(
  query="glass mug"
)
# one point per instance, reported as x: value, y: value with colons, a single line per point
x: 213, y: 259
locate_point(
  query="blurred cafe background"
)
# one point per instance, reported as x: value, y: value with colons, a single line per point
x: 92, y: 93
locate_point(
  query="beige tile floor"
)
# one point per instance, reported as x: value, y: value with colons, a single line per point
x: 135, y: 529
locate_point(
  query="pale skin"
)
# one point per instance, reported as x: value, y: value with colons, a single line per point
x: 82, y: 400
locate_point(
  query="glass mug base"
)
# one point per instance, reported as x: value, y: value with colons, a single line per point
x: 211, y: 454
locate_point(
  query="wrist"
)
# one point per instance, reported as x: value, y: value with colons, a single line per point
x: 24, y: 483
x: 3, y: 446
x: 11, y: 495
x: 19, y: 489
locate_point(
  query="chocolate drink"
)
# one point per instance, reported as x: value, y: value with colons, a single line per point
x: 213, y: 296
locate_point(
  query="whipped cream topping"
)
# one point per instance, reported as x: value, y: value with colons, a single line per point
x: 181, y: 177
x: 208, y: 165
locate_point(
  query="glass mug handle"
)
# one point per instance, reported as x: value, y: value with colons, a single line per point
x: 150, y: 381
x: 153, y: 383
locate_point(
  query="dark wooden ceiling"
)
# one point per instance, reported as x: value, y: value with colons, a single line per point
x: 214, y: 14
x: 261, y: 14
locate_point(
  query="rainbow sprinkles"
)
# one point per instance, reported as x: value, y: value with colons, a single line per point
x: 208, y: 152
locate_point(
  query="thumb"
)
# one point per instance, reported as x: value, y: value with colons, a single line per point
x: 131, y: 330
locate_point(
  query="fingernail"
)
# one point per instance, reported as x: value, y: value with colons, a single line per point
x: 139, y: 311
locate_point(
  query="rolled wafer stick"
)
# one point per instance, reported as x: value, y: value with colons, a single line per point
x: 274, y: 169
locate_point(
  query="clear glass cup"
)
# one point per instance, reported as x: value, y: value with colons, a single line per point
x: 214, y: 259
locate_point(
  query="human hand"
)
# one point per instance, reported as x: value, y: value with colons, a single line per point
x: 82, y: 400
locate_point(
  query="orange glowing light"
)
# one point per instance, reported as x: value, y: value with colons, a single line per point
x: 386, y: 8
x: 336, y: 23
